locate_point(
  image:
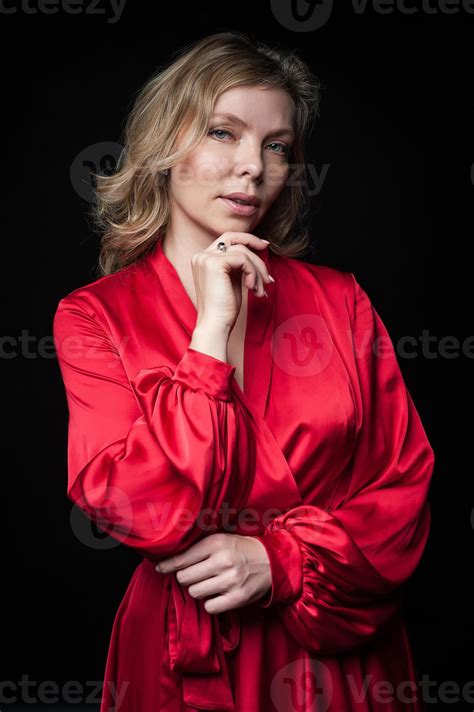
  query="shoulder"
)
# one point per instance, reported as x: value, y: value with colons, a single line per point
x: 97, y: 301
x: 332, y: 285
x: 105, y: 291
x: 323, y: 275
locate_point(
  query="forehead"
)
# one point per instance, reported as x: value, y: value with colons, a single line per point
x: 256, y: 106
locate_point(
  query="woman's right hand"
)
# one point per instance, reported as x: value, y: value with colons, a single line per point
x: 218, y: 279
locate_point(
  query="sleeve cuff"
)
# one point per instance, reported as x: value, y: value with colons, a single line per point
x: 286, y: 566
x: 203, y: 371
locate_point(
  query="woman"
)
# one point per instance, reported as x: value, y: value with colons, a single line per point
x: 238, y: 416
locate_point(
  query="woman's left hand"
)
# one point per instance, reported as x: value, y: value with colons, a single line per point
x: 234, y: 569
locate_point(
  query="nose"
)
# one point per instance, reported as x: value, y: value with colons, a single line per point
x: 249, y: 162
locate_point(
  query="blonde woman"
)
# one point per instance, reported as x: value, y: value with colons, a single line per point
x: 238, y: 415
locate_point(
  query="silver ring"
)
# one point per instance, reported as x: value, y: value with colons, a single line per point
x: 221, y: 246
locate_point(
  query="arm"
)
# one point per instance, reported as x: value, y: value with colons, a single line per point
x: 336, y: 574
x: 142, y: 452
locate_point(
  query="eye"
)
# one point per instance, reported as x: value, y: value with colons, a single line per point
x: 284, y: 149
x: 213, y: 131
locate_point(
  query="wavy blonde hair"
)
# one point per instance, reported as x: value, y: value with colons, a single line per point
x: 132, y: 206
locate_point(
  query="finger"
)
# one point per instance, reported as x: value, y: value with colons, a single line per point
x: 223, y: 603
x: 198, y: 572
x: 262, y: 275
x: 258, y: 284
x: 238, y: 260
x: 244, y: 238
x: 228, y: 585
x: 197, y: 552
x: 255, y: 281
x: 211, y: 586
x: 219, y: 604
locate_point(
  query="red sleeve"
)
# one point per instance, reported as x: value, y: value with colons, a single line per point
x: 152, y: 459
x: 336, y: 574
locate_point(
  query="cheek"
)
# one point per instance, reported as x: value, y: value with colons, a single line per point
x: 207, y: 168
x: 277, y: 177
x: 274, y: 194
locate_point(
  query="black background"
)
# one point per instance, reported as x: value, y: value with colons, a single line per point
x: 395, y: 133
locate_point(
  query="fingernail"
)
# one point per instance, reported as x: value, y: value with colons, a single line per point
x: 157, y: 567
x: 265, y: 293
x: 267, y: 241
x: 270, y: 278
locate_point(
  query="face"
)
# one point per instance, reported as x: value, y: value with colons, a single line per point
x: 244, y: 153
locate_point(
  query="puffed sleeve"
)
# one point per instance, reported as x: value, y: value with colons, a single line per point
x: 337, y: 571
x: 150, y: 460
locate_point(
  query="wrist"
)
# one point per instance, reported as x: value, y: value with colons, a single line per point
x: 286, y: 567
x: 264, y: 563
x: 203, y: 371
x: 211, y: 339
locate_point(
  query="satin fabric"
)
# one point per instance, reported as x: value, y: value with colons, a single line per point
x: 322, y: 456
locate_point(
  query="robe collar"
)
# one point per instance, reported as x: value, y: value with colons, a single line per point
x: 258, y: 360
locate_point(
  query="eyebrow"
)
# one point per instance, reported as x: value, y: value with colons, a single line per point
x: 279, y: 132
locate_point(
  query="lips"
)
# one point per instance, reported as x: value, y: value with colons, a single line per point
x: 239, y: 208
x: 243, y: 199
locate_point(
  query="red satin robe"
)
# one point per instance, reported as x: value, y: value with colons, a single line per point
x: 323, y: 456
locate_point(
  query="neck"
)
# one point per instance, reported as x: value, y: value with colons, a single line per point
x: 180, y: 250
